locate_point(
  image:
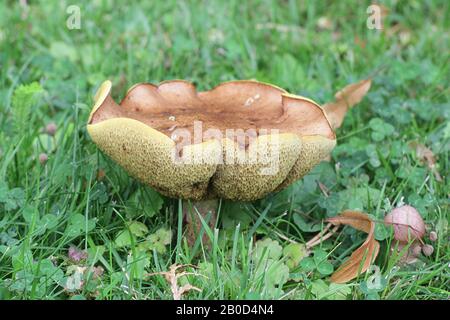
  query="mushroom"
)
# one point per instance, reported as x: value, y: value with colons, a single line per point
x: 239, y: 141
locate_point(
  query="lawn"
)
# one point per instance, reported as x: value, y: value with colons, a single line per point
x: 74, y: 225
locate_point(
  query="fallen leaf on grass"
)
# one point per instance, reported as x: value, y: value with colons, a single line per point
x: 361, y: 258
x: 427, y: 156
x: 345, y: 99
x: 172, y: 277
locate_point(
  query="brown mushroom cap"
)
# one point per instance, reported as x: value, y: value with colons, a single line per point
x: 254, y: 138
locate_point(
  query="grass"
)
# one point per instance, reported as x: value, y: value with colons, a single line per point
x: 80, y: 198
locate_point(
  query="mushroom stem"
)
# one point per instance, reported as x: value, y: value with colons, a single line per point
x: 192, y: 211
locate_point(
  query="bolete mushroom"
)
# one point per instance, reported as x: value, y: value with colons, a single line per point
x: 239, y: 141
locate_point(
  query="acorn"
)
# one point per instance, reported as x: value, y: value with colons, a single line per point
x: 427, y: 250
x: 407, y: 222
x: 416, y: 250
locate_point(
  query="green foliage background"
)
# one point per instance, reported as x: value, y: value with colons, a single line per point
x: 49, y: 73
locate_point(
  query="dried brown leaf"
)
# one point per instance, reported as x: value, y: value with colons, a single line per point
x: 172, y: 277
x: 345, y: 99
x: 361, y: 258
x: 426, y: 156
x: 355, y: 219
x: 186, y: 288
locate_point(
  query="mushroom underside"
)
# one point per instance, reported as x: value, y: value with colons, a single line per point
x: 141, y: 132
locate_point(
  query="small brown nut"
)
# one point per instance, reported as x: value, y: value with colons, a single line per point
x: 416, y: 250
x: 427, y: 250
x: 43, y: 157
x: 433, y: 236
x: 51, y: 128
